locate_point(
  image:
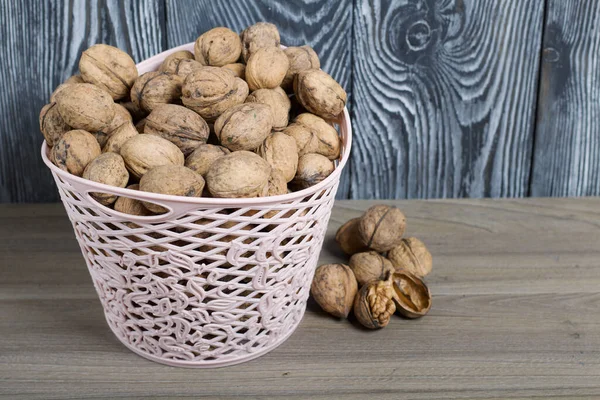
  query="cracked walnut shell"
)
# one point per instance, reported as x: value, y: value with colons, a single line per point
x: 374, y: 304
x: 411, y: 295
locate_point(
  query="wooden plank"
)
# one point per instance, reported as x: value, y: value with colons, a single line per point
x: 326, y: 25
x: 445, y: 96
x: 41, y: 44
x: 567, y: 143
x: 515, y: 285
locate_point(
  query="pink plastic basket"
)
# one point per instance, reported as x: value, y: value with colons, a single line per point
x: 211, y: 283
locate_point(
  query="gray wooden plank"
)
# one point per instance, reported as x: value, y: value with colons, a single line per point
x: 41, y: 44
x: 444, y: 97
x: 515, y: 299
x: 567, y: 143
x: 326, y: 25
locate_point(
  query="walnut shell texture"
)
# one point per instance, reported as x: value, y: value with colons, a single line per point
x: 210, y: 91
x: 381, y: 227
x: 334, y: 288
x: 217, y: 47
x: 244, y: 127
x: 127, y: 205
x: 279, y: 102
x: 119, y: 136
x: 179, y: 125
x: 349, y: 239
x: 174, y: 180
x: 238, y: 69
x: 75, y: 79
x: 171, y: 62
x: 154, y: 88
x: 144, y: 152
x: 109, y: 68
x: 277, y: 184
x: 266, y: 68
x: 121, y: 116
x: 257, y: 36
x: 85, y: 106
x: 52, y: 125
x: 369, y: 266
x: 314, y: 135
x: 109, y: 169
x: 204, y: 156
x: 75, y: 150
x: 281, y: 152
x: 312, y: 169
x: 239, y: 174
x: 301, y: 58
x: 411, y: 255
x: 319, y: 93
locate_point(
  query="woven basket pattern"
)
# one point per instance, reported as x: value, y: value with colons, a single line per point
x: 212, y: 282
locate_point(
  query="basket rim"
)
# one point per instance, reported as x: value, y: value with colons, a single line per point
x: 92, y: 186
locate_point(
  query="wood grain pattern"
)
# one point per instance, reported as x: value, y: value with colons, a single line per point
x: 515, y: 285
x: 567, y: 144
x: 325, y: 25
x: 41, y: 45
x: 443, y: 95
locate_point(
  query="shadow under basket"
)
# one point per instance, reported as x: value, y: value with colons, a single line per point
x: 212, y: 282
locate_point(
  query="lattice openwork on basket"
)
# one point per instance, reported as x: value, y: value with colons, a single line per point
x: 214, y: 281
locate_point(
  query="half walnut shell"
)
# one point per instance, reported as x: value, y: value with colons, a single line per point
x: 411, y: 295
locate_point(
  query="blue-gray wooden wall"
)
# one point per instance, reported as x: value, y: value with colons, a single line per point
x: 449, y: 98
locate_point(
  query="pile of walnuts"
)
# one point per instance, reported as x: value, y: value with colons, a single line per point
x: 384, y: 275
x: 212, y: 123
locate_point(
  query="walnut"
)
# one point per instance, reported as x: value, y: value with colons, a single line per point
x: 154, y: 88
x: 257, y: 36
x: 119, y: 136
x: 411, y: 255
x: 121, y: 116
x: 109, y: 68
x: 179, y: 125
x: 59, y: 89
x: 382, y: 227
x: 300, y: 58
x: 319, y: 93
x: 210, y: 91
x: 411, y: 295
x: 276, y: 186
x: 174, y: 180
x: 239, y: 174
x: 85, y: 106
x: 171, y: 62
x: 314, y: 135
x: 144, y: 152
x: 374, y: 304
x: 127, y: 205
x: 281, y: 153
x: 277, y: 100
x: 266, y: 68
x: 244, y: 127
x: 312, y: 169
x: 186, y: 67
x: 204, y: 156
x: 348, y: 238
x: 52, y: 125
x: 370, y: 265
x: 218, y: 47
x: 75, y: 150
x: 109, y: 169
x: 237, y: 69
x: 334, y: 288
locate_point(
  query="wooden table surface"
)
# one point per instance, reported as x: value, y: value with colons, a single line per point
x: 516, y: 314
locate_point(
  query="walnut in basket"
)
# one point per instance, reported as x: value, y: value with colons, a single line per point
x: 174, y: 180
x: 171, y: 62
x: 314, y: 135
x: 109, y: 169
x: 266, y: 68
x: 319, y: 93
x: 244, y: 126
x: 277, y: 100
x: 257, y: 36
x: 108, y: 68
x: 75, y: 150
x: 300, y: 58
x: 85, y: 106
x: 51, y: 124
x: 280, y: 150
x: 144, y: 152
x: 312, y: 169
x: 210, y: 91
x: 154, y: 88
x: 217, y: 47
x: 204, y: 156
x: 239, y: 174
